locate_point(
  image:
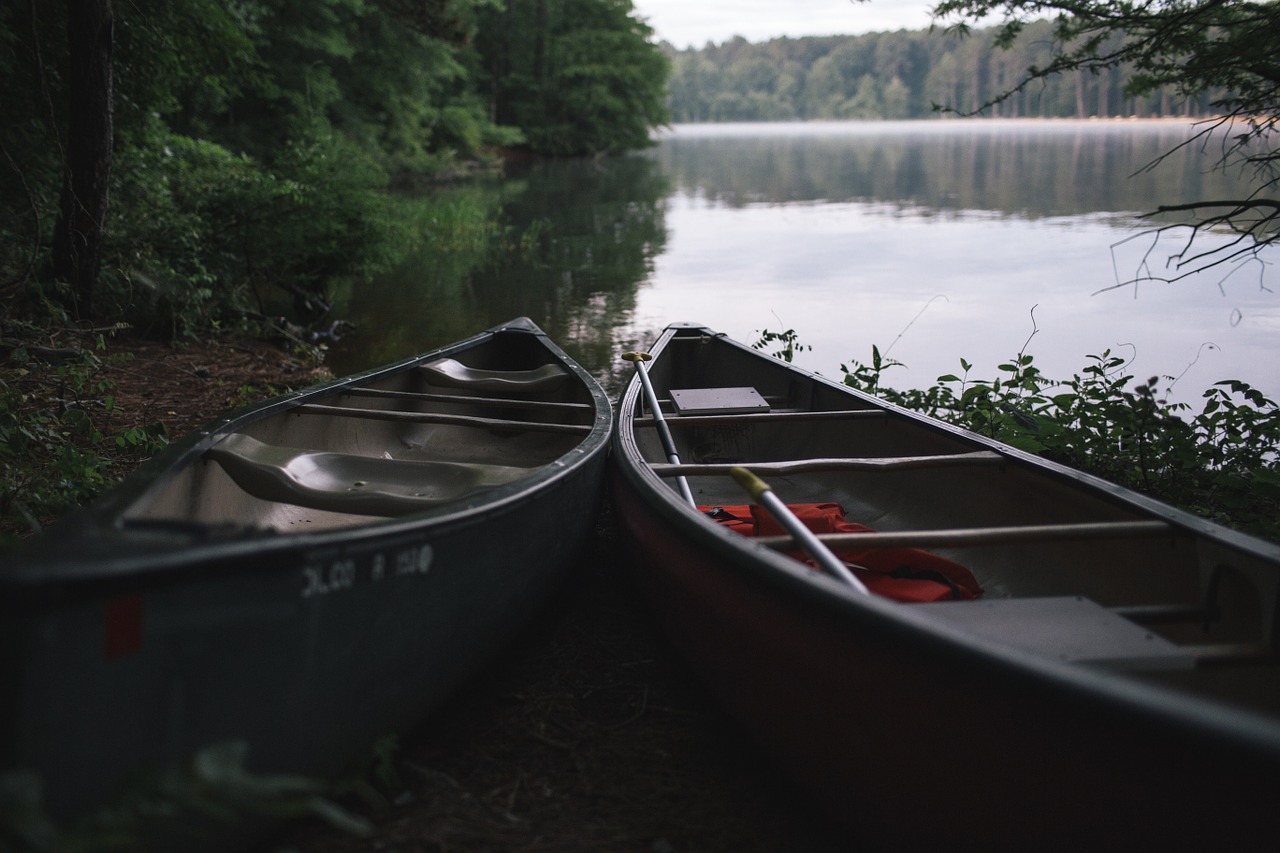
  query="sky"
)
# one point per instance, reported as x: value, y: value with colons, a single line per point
x: 687, y: 23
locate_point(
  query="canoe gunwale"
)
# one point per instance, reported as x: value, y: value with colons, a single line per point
x: 1252, y: 737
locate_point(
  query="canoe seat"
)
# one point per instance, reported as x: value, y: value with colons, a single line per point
x: 1072, y: 629
x: 717, y: 401
x: 343, y: 482
x: 455, y: 374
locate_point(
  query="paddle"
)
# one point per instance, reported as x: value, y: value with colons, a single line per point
x: 664, y: 433
x: 804, y: 537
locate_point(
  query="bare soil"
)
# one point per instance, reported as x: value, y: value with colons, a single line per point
x: 185, y: 387
x: 588, y: 734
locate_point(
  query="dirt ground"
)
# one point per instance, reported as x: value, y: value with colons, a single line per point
x: 188, y: 386
x: 588, y: 734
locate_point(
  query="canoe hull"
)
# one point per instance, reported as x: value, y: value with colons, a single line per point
x: 913, y: 742
x: 912, y: 734
x: 307, y: 647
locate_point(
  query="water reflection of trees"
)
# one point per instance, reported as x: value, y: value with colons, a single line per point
x: 1022, y: 170
x: 590, y: 231
x: 574, y: 240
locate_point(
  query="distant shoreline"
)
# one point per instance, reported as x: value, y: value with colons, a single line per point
x: 948, y: 124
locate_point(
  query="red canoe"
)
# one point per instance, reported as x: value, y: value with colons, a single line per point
x: 1114, y: 685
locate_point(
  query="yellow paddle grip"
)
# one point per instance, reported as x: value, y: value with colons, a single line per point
x: 753, y: 485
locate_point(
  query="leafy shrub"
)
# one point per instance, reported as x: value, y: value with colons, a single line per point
x: 788, y: 343
x: 54, y: 456
x: 203, y: 236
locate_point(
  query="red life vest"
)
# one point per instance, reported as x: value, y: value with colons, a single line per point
x: 902, y: 574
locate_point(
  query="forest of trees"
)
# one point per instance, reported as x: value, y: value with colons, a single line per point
x: 897, y: 75
x: 167, y: 162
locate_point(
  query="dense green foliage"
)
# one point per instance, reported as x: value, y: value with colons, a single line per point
x: 254, y: 142
x: 903, y: 75
x: 587, y: 82
x: 53, y: 454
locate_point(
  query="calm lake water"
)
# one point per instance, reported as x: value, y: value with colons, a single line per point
x: 932, y: 240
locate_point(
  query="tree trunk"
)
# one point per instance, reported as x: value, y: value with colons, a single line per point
x: 976, y: 99
x: 540, y: 46
x: 77, y: 236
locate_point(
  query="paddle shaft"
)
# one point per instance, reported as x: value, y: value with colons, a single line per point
x: 804, y: 537
x: 664, y: 433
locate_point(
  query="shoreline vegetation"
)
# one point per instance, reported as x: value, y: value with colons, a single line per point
x: 907, y: 74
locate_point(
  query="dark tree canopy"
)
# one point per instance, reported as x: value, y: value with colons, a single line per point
x: 576, y: 76
x: 249, y: 146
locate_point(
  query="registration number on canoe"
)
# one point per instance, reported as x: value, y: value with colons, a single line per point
x: 328, y: 576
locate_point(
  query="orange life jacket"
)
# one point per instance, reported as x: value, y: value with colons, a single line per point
x: 902, y: 574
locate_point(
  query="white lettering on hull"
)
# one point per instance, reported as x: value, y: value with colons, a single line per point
x: 326, y: 577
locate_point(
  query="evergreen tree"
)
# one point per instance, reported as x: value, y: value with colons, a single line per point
x: 575, y: 76
x: 825, y: 78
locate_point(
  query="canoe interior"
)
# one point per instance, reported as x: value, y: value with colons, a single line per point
x: 203, y: 492
x: 1217, y: 598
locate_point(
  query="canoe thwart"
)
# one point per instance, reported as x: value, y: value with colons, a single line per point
x: 454, y: 374
x: 1072, y: 629
x: 866, y: 463
x: 978, y: 536
x: 357, y: 485
x: 437, y: 418
x: 765, y: 417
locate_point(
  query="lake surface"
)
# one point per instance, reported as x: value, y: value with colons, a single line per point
x: 932, y: 240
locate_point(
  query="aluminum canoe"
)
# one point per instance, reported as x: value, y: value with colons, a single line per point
x: 305, y: 576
